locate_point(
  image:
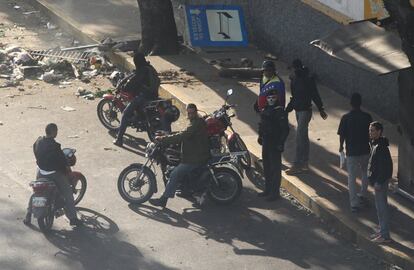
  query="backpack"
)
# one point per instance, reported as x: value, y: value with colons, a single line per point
x: 154, y: 81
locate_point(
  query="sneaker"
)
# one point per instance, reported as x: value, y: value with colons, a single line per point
x: 273, y: 197
x: 374, y: 235
x: 294, y: 170
x: 27, y: 220
x: 263, y: 194
x: 381, y: 240
x: 355, y: 209
x: 75, y: 222
x: 159, y: 202
x: 118, y: 142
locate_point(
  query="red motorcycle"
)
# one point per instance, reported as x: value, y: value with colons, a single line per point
x: 148, y: 119
x: 46, y: 201
x: 222, y: 135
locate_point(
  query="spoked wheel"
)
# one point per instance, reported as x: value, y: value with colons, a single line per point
x: 79, y: 189
x: 109, y: 114
x: 136, y: 184
x: 45, y: 223
x: 227, y: 189
x: 238, y: 145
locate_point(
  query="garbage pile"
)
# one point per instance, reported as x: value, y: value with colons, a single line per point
x: 52, y: 66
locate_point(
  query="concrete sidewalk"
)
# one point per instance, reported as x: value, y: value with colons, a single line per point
x: 324, y: 190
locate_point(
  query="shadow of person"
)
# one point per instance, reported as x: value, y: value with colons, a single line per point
x: 166, y: 216
x: 132, y: 144
x: 95, y: 246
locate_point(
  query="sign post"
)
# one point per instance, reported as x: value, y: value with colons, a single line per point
x: 216, y: 26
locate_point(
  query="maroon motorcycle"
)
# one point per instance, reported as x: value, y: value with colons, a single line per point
x: 47, y: 203
x: 148, y: 119
x: 223, y: 136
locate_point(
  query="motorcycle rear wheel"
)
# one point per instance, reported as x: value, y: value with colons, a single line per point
x: 46, y: 222
x: 108, y: 113
x: 80, y: 189
x: 135, y: 184
x: 229, y: 186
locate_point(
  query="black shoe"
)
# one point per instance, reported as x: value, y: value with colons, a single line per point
x: 27, y: 220
x: 263, y: 194
x: 184, y: 194
x: 75, y: 222
x: 118, y: 142
x: 273, y: 197
x: 159, y: 202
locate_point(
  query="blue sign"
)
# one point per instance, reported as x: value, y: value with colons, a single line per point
x: 216, y: 25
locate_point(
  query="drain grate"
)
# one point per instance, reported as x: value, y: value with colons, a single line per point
x: 70, y: 56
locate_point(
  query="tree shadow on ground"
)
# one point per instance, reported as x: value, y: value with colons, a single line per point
x: 248, y: 231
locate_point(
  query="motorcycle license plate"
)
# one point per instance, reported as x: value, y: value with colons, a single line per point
x: 39, y: 202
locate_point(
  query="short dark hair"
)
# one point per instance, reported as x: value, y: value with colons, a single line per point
x: 50, y: 129
x: 297, y: 64
x: 268, y: 65
x: 192, y: 106
x: 378, y: 126
x: 356, y: 100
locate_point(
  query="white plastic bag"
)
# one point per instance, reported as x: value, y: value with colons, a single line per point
x: 342, y: 160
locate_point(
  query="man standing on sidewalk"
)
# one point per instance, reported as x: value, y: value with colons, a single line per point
x: 353, y: 130
x: 273, y: 131
x: 379, y: 173
x: 269, y: 82
x: 304, y: 91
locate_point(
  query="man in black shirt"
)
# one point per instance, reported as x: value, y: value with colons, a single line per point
x: 304, y: 92
x: 353, y: 130
x: 52, y: 165
x: 273, y: 131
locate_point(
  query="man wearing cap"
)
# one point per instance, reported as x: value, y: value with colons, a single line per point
x: 270, y: 81
x: 195, y: 152
x: 304, y: 91
x: 273, y: 131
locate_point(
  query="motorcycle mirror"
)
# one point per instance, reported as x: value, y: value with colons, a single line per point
x: 229, y: 92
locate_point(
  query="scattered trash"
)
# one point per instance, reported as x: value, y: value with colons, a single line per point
x: 73, y: 136
x: 1, y: 123
x: 51, y: 26
x: 21, y: 89
x: 65, y: 83
x: 51, y: 77
x: 100, y: 93
x: 62, y: 87
x: 10, y: 83
x: 58, y: 35
x: 31, y: 12
x: 68, y: 109
x: 17, y: 7
x: 109, y: 149
x: 40, y: 107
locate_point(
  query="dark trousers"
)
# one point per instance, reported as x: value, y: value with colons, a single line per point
x: 138, y: 101
x: 272, y: 166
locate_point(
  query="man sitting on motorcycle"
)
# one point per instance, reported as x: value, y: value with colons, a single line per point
x: 143, y: 83
x: 195, y: 152
x: 52, y: 165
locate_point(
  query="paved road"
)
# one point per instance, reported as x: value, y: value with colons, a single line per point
x: 250, y: 234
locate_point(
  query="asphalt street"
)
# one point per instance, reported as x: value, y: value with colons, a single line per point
x: 250, y: 234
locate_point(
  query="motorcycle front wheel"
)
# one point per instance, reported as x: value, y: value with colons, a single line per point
x: 108, y: 114
x: 228, y: 187
x: 136, y: 184
x: 238, y: 145
x: 46, y: 222
x: 79, y: 189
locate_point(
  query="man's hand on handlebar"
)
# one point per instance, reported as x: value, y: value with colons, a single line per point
x: 158, y: 138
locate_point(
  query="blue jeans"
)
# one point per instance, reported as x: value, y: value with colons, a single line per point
x: 353, y: 165
x: 176, y: 176
x: 381, y: 203
x: 138, y: 101
x: 302, y: 138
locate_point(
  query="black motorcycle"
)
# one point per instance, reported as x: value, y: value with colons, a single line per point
x: 219, y: 179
